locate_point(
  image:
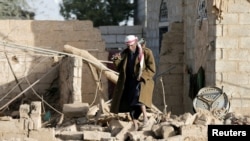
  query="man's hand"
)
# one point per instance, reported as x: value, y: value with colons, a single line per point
x: 116, y: 56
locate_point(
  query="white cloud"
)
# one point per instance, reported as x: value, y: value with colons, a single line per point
x: 46, y: 9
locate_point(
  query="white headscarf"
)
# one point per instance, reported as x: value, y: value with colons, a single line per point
x: 131, y: 39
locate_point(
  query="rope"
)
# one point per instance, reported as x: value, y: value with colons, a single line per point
x: 97, y: 88
x: 42, y: 98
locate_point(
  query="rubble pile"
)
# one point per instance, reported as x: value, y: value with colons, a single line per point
x: 161, y: 127
x: 81, y: 122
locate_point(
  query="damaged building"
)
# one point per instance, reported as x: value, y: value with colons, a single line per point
x: 57, y: 76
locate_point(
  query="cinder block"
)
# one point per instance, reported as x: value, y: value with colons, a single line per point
x: 95, y: 135
x: 43, y: 134
x: 69, y: 135
x: 24, y: 110
x: 75, y: 109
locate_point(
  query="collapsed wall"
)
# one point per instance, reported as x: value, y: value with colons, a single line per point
x: 22, y: 67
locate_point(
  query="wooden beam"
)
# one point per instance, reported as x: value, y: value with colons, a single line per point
x: 91, y: 59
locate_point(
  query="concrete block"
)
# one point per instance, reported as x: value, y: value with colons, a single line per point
x: 24, y: 25
x: 36, y: 108
x: 109, y: 38
x: 70, y: 135
x: 75, y: 109
x: 24, y: 110
x: 244, y: 18
x: 121, y: 38
x: 229, y: 18
x: 226, y: 66
x: 238, y: 31
x: 37, y: 26
x: 81, y: 25
x: 31, y: 125
x: 241, y: 6
x: 244, y: 42
x: 43, y: 134
x: 133, y: 30
x: 95, y: 135
x: 91, y: 128
x: 116, y: 29
x: 226, y: 42
x: 103, y: 29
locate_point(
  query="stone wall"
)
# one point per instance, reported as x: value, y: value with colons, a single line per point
x: 169, y: 56
x: 170, y: 72
x: 29, y: 66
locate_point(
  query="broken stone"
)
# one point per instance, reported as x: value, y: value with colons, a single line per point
x: 121, y: 136
x: 151, y: 121
x: 156, y: 129
x: 188, y: 118
x: 167, y: 131
x: 115, y: 126
x: 138, y: 135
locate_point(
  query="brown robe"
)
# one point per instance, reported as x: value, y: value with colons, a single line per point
x: 147, y: 85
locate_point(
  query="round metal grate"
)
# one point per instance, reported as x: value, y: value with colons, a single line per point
x: 211, y: 99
